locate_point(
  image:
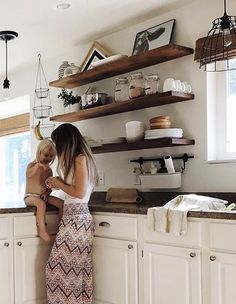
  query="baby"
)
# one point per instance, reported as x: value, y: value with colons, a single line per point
x: 37, y: 193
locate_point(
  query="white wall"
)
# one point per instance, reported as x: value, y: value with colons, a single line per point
x: 192, y: 22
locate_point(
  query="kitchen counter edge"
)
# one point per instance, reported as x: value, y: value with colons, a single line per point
x: 127, y: 209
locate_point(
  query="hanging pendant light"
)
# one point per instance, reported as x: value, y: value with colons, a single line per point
x: 220, y: 44
x: 7, y: 36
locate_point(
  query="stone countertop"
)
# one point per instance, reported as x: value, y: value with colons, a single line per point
x: 150, y: 199
x: 142, y: 209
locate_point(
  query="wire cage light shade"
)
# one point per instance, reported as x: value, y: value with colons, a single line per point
x: 220, y: 44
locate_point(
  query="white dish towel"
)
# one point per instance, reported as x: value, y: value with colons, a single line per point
x: 172, y: 217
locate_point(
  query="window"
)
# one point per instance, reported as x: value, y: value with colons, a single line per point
x: 221, y: 114
x: 14, y: 155
x: 14, y: 151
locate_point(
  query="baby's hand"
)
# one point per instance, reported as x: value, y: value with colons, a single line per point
x: 40, y: 165
x: 53, y: 182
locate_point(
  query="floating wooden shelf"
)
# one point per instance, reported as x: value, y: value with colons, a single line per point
x: 124, y: 65
x: 146, y: 144
x: 125, y: 106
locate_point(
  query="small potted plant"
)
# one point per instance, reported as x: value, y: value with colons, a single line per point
x: 69, y: 99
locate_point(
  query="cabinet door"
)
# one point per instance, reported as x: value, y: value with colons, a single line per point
x: 223, y: 278
x: 115, y: 271
x: 6, y: 272
x: 30, y: 257
x: 171, y: 275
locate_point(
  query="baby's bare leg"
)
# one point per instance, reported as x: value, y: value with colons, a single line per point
x: 57, y: 202
x: 40, y: 216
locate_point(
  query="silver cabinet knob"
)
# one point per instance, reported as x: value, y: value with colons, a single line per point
x: 212, y: 257
x: 19, y: 243
x: 104, y: 224
x: 6, y: 244
x: 130, y: 246
x: 192, y: 254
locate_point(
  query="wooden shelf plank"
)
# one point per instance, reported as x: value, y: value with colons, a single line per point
x: 125, y: 106
x: 124, y: 65
x: 146, y: 144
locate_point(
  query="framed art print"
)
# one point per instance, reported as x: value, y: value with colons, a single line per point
x: 153, y: 37
x: 96, y: 52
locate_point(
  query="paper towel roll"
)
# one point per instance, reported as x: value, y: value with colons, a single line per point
x: 169, y: 164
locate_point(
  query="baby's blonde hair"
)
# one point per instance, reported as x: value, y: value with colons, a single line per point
x: 45, y: 143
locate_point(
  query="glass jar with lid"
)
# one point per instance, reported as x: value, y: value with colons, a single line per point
x: 122, y: 89
x: 137, y: 85
x: 152, y: 84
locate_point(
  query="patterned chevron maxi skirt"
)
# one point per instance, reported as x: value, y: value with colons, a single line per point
x: 69, y: 268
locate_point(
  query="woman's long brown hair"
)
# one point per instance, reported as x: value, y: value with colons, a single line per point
x: 69, y: 144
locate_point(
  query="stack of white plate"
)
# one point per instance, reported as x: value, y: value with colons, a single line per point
x: 113, y: 140
x: 161, y: 133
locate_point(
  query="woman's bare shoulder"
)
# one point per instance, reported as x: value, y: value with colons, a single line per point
x: 80, y: 161
x: 81, y: 158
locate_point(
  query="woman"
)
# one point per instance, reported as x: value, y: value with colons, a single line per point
x: 69, y: 268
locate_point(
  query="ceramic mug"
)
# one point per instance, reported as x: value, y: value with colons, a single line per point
x: 168, y: 84
x: 186, y: 87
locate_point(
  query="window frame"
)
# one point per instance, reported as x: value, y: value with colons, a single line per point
x: 217, y: 124
x: 15, y: 124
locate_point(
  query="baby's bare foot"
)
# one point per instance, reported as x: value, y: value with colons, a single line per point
x: 45, y: 236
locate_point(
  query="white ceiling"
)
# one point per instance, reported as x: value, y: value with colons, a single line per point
x: 43, y: 29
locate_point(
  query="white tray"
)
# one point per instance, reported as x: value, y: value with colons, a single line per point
x: 161, y: 180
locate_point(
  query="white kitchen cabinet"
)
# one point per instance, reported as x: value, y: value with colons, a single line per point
x: 221, y: 262
x: 172, y: 266
x: 6, y: 257
x: 115, y: 271
x: 115, y: 260
x: 30, y: 258
x: 23, y: 256
x: 222, y: 278
x: 171, y: 275
x: 6, y: 272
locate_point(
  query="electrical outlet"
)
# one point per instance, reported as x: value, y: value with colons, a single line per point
x: 101, y: 179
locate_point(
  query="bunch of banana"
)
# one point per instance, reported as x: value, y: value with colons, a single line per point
x: 37, y: 132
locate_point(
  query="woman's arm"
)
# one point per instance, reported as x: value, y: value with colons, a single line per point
x: 78, y: 189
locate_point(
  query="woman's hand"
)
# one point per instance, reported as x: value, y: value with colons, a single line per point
x: 44, y: 197
x: 54, y: 182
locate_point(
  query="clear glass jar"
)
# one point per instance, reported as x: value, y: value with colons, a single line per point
x: 137, y: 85
x: 152, y: 84
x: 122, y: 89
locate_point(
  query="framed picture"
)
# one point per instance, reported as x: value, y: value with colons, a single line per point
x: 153, y: 37
x: 96, y: 52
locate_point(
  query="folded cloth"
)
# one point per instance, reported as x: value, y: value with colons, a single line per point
x: 121, y: 195
x: 172, y: 217
x: 157, y: 219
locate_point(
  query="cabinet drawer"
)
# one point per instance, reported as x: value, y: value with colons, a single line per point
x: 222, y: 236
x: 116, y: 226
x: 191, y: 238
x: 25, y: 226
x: 4, y: 227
